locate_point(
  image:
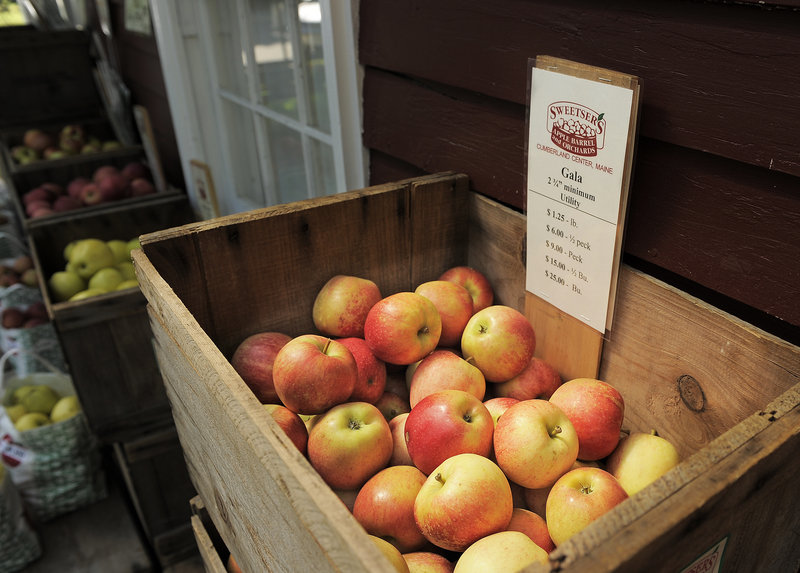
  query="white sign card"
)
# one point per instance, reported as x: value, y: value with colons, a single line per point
x: 577, y: 147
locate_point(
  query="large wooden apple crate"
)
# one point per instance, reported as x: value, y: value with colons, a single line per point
x: 106, y: 340
x: 726, y: 393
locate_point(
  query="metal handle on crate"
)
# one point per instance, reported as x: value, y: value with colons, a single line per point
x: 16, y: 351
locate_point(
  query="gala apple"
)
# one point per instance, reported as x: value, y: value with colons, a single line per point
x: 500, y: 341
x: 403, y: 328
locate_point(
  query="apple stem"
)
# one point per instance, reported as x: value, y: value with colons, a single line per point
x: 654, y: 432
x: 327, y: 345
x: 438, y: 477
x: 555, y: 431
x: 423, y: 330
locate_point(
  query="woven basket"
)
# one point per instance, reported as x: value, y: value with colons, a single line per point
x: 57, y: 468
x: 19, y: 544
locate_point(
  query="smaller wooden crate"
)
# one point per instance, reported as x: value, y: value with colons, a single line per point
x: 726, y: 393
x: 106, y: 340
x: 160, y: 488
x: 209, y: 543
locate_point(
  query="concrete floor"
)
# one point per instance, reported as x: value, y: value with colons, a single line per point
x: 100, y: 538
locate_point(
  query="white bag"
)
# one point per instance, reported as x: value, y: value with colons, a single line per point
x: 56, y: 468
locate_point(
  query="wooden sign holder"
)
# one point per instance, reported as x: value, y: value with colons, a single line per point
x: 564, y: 341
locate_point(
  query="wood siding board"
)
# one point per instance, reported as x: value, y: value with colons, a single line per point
x: 727, y: 226
x: 715, y: 77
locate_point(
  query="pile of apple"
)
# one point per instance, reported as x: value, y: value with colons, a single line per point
x: 35, y: 314
x: 450, y: 442
x: 107, y: 184
x: 94, y: 267
x: 70, y: 140
x: 19, y: 270
x: 36, y: 405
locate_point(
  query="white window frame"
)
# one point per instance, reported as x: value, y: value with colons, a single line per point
x: 342, y: 75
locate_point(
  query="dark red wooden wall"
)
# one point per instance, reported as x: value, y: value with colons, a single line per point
x: 715, y: 198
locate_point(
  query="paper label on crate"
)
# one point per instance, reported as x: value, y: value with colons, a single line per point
x: 710, y: 561
x: 577, y: 148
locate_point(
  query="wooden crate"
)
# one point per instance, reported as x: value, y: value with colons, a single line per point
x: 725, y: 393
x: 209, y: 543
x: 155, y: 474
x: 106, y: 340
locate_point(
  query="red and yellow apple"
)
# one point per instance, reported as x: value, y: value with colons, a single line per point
x: 535, y: 443
x: 533, y: 525
x: 465, y: 498
x: 443, y: 369
x: 578, y: 498
x: 500, y: 341
x: 312, y: 373
x: 402, y: 328
x: 640, y: 459
x: 476, y: 283
x: 455, y: 307
x: 391, y: 553
x: 400, y: 455
x: 447, y: 423
x: 349, y: 443
x: 341, y: 305
x: 384, y: 506
x: 427, y: 562
x: 371, y: 380
x: 253, y: 360
x: 291, y: 423
x: 391, y: 405
x: 539, y: 379
x: 596, y: 410
x: 499, y: 553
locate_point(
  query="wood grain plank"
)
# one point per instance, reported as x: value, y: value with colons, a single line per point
x: 710, y: 71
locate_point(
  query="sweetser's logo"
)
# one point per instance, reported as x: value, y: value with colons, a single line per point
x: 576, y: 128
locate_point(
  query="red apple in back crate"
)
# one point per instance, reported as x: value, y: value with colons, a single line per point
x: 384, y: 506
x: 500, y: 341
x: 403, y: 328
x: 371, y: 381
x: 579, y: 497
x: 500, y: 552
x: 253, y: 360
x: 476, y: 283
x: 349, y: 444
x: 596, y: 410
x: 341, y: 305
x: 464, y: 498
x: 447, y: 423
x: 455, y: 307
x: 535, y: 443
x: 539, y: 379
x: 292, y: 425
x: 445, y: 370
x: 312, y: 373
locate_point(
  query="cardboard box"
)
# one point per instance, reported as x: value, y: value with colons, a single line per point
x: 724, y: 392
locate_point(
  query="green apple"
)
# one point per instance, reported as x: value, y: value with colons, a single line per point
x: 106, y: 279
x: 133, y: 244
x: 40, y: 399
x: 64, y: 284
x: 65, y: 408
x: 127, y: 270
x: 18, y: 394
x: 130, y: 283
x: 120, y: 250
x: 68, y: 249
x: 640, y: 458
x: 88, y: 293
x: 15, y: 412
x: 32, y: 420
x: 89, y: 256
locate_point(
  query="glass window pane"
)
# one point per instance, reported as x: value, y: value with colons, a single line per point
x: 244, y: 156
x: 271, y: 31
x: 232, y: 61
x: 286, y: 162
x: 324, y: 169
x: 309, y: 15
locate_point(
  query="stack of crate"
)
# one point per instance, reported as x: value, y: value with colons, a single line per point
x: 106, y: 340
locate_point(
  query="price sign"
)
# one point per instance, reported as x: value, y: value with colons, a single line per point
x: 581, y: 130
